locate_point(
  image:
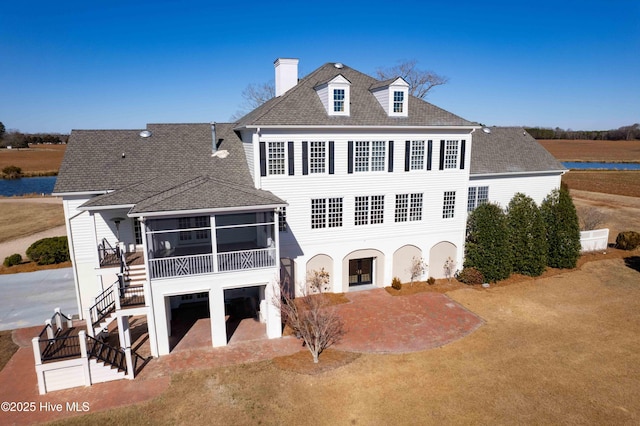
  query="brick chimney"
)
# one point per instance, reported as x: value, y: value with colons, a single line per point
x: 286, y: 74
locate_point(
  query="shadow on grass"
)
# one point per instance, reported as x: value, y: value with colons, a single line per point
x: 633, y: 262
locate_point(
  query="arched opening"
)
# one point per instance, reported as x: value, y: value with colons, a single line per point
x: 363, y: 268
x: 403, y: 260
x: 438, y: 255
x: 318, y: 263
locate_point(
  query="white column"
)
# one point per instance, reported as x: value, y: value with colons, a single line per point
x: 217, y: 317
x: 274, y: 320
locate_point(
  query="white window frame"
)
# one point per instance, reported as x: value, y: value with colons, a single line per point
x: 326, y: 212
x: 369, y: 156
x: 415, y: 207
x: 451, y: 151
x: 449, y: 205
x: 338, y: 102
x: 398, y: 104
x: 402, y: 207
x: 276, y: 158
x: 477, y: 195
x: 317, y: 157
x: 368, y: 209
x: 416, y: 155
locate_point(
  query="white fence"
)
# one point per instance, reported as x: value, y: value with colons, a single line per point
x: 596, y: 240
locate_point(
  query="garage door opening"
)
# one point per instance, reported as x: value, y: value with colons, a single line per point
x: 189, y: 314
x: 245, y: 313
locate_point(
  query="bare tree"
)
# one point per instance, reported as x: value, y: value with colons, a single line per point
x: 417, y: 268
x: 590, y: 218
x: 449, y: 268
x: 318, y: 281
x: 311, y: 319
x: 255, y: 95
x: 420, y: 81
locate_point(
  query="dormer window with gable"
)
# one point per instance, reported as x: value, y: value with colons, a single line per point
x: 393, y: 96
x: 335, y: 95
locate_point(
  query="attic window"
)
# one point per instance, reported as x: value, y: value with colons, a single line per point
x: 393, y: 96
x: 398, y: 102
x: 335, y: 95
x: 338, y: 100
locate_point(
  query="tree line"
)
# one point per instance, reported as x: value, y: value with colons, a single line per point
x: 624, y: 133
x: 18, y: 139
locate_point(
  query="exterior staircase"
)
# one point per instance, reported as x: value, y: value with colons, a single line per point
x: 101, y: 372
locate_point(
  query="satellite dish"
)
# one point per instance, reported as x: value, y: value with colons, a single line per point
x: 145, y: 134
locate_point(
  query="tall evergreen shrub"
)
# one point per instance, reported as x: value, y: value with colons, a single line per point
x: 527, y: 236
x: 487, y: 245
x: 563, y: 229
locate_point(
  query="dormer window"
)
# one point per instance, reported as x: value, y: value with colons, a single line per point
x: 393, y: 96
x: 398, y: 102
x: 335, y: 95
x: 338, y: 100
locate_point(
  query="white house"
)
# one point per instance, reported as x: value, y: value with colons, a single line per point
x: 339, y: 171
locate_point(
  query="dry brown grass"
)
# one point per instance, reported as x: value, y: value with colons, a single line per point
x: 563, y: 349
x: 7, y: 347
x: 586, y: 150
x: 616, y: 182
x: 35, y: 160
x: 20, y: 219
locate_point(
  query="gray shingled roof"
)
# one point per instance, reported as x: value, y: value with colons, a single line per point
x: 509, y: 150
x: 171, y: 170
x: 301, y: 105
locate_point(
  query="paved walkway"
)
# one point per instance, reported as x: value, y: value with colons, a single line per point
x: 376, y: 323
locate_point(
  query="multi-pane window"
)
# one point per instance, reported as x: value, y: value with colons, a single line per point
x: 377, y: 208
x: 377, y: 156
x: 335, y: 212
x: 369, y: 156
x: 415, y: 208
x: 417, y: 155
x: 137, y: 232
x: 203, y: 223
x: 451, y: 154
x: 369, y: 209
x: 402, y: 206
x: 195, y: 227
x: 398, y: 101
x: 326, y: 211
x: 282, y: 219
x: 276, y: 158
x: 477, y: 195
x: 317, y: 157
x: 183, y: 223
x: 449, y: 204
x: 408, y: 206
x: 338, y: 100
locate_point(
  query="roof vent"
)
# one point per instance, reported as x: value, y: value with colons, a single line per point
x: 486, y: 130
x: 338, y: 65
x: 223, y: 153
x: 145, y: 134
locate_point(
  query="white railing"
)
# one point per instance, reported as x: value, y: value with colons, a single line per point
x: 596, y: 240
x: 167, y: 267
x: 246, y: 259
x: 181, y: 265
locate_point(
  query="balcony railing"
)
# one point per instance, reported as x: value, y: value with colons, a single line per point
x: 203, y: 263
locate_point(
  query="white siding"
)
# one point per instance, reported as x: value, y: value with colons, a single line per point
x: 382, y: 96
x: 503, y: 188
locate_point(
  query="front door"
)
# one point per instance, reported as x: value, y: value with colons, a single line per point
x: 361, y: 271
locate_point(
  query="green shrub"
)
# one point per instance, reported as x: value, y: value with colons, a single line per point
x: 487, y: 245
x: 527, y: 236
x: 563, y: 229
x: 396, y: 284
x: 470, y: 275
x: 431, y: 281
x: 14, y: 259
x: 48, y: 251
x: 628, y: 240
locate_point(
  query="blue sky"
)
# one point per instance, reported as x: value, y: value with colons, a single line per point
x: 119, y: 64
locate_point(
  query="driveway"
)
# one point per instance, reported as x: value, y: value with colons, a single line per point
x: 29, y: 298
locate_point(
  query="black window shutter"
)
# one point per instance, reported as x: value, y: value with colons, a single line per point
x: 350, y: 157
x: 429, y: 154
x: 390, y: 156
x: 407, y: 155
x: 441, y: 155
x: 462, y: 147
x: 305, y: 158
x: 331, y: 157
x: 263, y: 159
x: 291, y: 165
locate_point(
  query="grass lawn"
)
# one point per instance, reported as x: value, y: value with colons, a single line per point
x: 588, y: 150
x: 561, y: 349
x: 616, y: 182
x: 38, y: 159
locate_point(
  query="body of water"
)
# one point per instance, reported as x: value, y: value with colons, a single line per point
x: 32, y: 185
x: 590, y: 165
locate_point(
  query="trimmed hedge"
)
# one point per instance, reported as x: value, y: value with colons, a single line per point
x: 527, y: 236
x: 14, y: 259
x: 563, y: 229
x: 48, y: 251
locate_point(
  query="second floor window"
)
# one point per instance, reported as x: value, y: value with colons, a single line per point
x: 369, y: 156
x: 326, y: 212
x: 408, y: 207
x: 449, y: 204
x: 276, y: 158
x: 451, y: 154
x: 477, y: 195
x: 369, y: 209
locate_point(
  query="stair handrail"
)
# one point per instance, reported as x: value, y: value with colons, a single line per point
x: 105, y: 248
x: 106, y: 353
x: 103, y: 306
